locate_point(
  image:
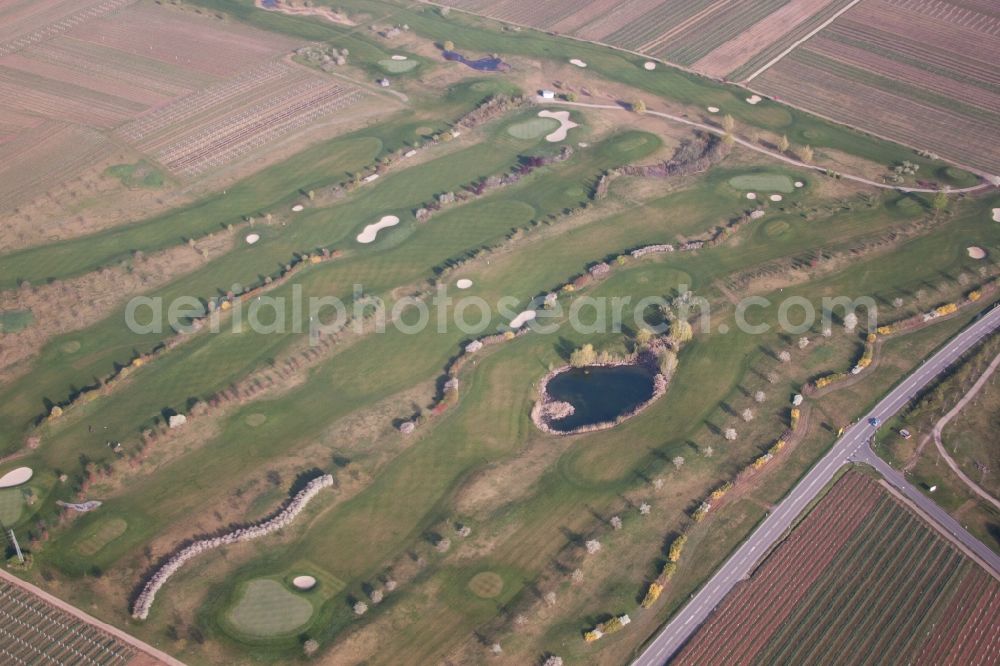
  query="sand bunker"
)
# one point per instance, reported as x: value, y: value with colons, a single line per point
x: 304, y: 582
x: 712, y: 109
x: 776, y: 197
x: 523, y: 318
x: 464, y: 283
x: 751, y: 195
x: 577, y: 62
x: 649, y: 65
x: 297, y: 207
x: 15, y: 477
x: 252, y: 238
x: 399, y: 57
x: 369, y: 233
x: 974, y: 252
x: 996, y: 214
x: 565, y: 124
x: 753, y: 99
x: 799, y: 183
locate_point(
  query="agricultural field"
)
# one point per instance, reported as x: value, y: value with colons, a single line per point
x: 251, y: 483
x: 930, y: 66
x: 859, y: 578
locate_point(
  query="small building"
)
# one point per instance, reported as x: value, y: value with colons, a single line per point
x: 905, y: 434
x: 384, y: 83
x: 547, y: 94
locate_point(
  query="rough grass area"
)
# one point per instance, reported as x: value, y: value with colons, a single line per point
x: 532, y: 129
x: 140, y: 174
x: 11, y: 505
x: 101, y: 534
x: 763, y: 182
x: 266, y: 608
x: 486, y: 585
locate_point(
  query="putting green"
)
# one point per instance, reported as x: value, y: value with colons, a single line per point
x: 765, y: 182
x: 397, y: 66
x: 255, y: 420
x: 486, y: 585
x: 71, y: 347
x: 532, y: 129
x: 776, y: 228
x: 266, y: 608
x: 105, y: 532
x: 11, y: 504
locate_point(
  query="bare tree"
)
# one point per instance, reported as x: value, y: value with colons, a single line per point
x: 730, y: 434
x: 376, y: 596
x: 708, y: 452
x: 759, y: 396
x: 550, y: 598
x: 576, y: 576
x: 658, y: 483
x: 678, y: 461
x: 593, y: 546
x: 443, y: 545
x: 360, y: 608
x: 616, y: 522
x: 850, y: 321
x: 783, y: 143
x: 310, y: 647
x: 644, y: 509
x: 496, y: 649
x: 747, y: 415
x: 803, y: 342
x: 784, y: 356
x: 553, y: 660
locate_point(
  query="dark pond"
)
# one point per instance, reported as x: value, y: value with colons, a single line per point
x: 600, y: 394
x: 483, y: 64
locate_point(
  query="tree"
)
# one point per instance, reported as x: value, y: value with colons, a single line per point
x: 644, y: 509
x: 311, y: 194
x: 643, y: 336
x: 759, y: 396
x: 728, y: 123
x: 728, y: 139
x: 570, y: 96
x: 747, y: 415
x: 806, y: 154
x: 940, y: 201
x: 638, y: 106
x: 730, y: 434
x: 784, y: 356
x: 708, y: 452
x: 593, y: 546
x: 449, y: 45
x: 783, y: 143
x: 850, y: 321
x: 678, y: 462
x: 585, y: 355
x: 616, y: 522
x: 681, y: 331
x: 667, y: 362
x: 360, y: 608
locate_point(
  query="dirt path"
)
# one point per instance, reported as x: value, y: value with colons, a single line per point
x: 939, y: 426
x: 154, y: 656
x: 764, y: 151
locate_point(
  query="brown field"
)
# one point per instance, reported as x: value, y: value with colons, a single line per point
x: 931, y: 68
x: 861, y: 576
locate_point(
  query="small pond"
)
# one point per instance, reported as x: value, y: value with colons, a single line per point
x: 600, y: 393
x: 486, y: 64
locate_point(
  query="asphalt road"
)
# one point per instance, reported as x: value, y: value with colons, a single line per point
x: 853, y: 445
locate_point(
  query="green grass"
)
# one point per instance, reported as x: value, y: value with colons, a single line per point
x: 532, y: 129
x: 11, y: 506
x: 397, y: 66
x: 140, y: 174
x: 763, y: 182
x: 266, y: 608
x: 101, y: 534
x: 12, y: 321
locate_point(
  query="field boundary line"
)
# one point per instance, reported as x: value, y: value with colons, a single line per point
x: 937, y: 527
x: 801, y: 41
x: 940, y: 425
x: 67, y: 607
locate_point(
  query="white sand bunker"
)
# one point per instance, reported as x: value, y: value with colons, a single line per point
x: 464, y: 283
x: 523, y: 318
x: 304, y: 582
x: 399, y: 57
x: 565, y: 124
x: 754, y: 99
x: 975, y: 252
x: 649, y: 65
x: 252, y: 238
x: 583, y: 144
x: 15, y: 477
x: 369, y: 233
x: 799, y: 183
x: 297, y: 207
x: 751, y: 195
x: 776, y: 197
x: 996, y: 214
x: 577, y: 62
x: 712, y: 109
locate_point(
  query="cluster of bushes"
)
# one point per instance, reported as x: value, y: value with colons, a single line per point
x: 613, y: 625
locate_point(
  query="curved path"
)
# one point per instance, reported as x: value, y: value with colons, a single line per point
x: 852, y: 446
x: 764, y: 151
x: 939, y: 426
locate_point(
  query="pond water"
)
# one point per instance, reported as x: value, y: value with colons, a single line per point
x: 600, y: 394
x: 486, y: 64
